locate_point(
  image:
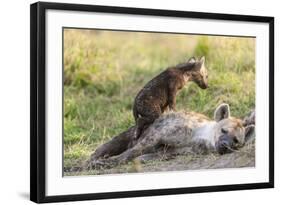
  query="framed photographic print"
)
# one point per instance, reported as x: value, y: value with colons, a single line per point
x: 129, y: 102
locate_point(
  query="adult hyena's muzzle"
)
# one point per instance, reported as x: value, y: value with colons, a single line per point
x: 225, y: 144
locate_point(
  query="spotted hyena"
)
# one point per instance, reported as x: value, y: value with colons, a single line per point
x: 159, y: 94
x: 176, y: 133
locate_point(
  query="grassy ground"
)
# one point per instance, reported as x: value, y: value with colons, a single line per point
x: 244, y: 157
x: 103, y: 71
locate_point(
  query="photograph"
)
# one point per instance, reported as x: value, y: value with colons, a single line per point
x: 133, y: 102
x: 136, y: 102
x: 140, y: 101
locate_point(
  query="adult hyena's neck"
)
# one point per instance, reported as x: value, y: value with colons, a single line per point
x: 205, y: 133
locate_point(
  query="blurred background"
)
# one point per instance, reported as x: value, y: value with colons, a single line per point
x: 104, y: 70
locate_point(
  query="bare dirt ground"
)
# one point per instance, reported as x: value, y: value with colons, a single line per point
x: 245, y: 157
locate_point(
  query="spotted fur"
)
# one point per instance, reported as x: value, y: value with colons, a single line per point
x: 178, y: 133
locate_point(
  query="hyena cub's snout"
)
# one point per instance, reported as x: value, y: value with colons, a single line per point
x: 200, y: 77
x: 203, y: 85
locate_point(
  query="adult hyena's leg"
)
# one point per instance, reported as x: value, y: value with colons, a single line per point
x: 145, y: 145
x: 115, y: 146
x: 148, y: 157
x: 160, y: 155
x: 165, y: 153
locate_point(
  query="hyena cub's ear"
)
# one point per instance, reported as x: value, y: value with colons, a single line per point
x: 192, y: 60
x: 249, y: 133
x: 222, y: 112
x: 202, y: 60
x: 199, y: 64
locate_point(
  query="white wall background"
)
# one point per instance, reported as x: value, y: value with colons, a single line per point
x: 14, y: 100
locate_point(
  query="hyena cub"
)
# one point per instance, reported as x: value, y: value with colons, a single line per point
x: 160, y: 93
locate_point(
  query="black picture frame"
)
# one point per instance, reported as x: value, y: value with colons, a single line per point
x: 38, y: 100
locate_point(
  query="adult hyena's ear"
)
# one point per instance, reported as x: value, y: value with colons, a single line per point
x: 192, y: 60
x: 249, y: 133
x: 222, y: 112
x: 250, y: 119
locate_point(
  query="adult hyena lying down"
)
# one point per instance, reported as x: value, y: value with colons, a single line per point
x: 176, y: 133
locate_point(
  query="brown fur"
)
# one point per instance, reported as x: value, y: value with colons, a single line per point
x: 159, y: 94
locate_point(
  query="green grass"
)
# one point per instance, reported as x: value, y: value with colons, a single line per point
x: 104, y: 71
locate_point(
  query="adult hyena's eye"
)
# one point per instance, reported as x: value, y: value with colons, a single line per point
x: 224, y: 131
x: 235, y: 140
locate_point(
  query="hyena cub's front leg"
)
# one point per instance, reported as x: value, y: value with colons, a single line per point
x: 144, y: 146
x: 172, y: 92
